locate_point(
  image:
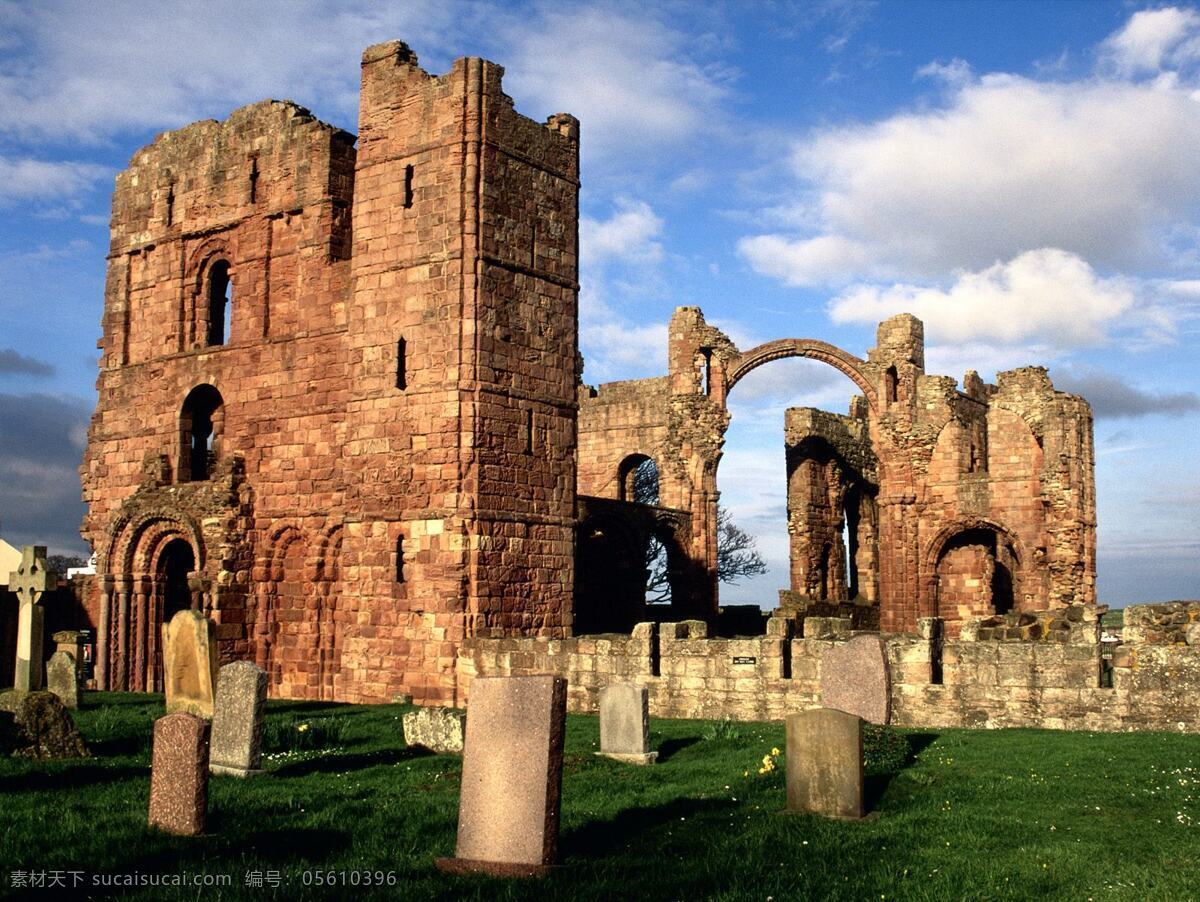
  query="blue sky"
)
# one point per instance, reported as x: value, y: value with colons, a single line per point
x: 1023, y: 176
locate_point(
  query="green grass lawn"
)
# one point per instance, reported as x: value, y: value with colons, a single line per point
x: 972, y: 815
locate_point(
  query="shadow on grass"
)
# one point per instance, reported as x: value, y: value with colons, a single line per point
x: 917, y: 743
x: 119, y: 746
x: 668, y: 747
x: 875, y: 785
x: 288, y: 707
x: 77, y: 777
x: 338, y: 763
x: 598, y: 838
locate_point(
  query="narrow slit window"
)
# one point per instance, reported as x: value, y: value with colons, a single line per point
x: 533, y: 247
x: 254, y: 180
x: 170, y: 205
x: 408, y: 186
x: 220, y: 303
x: 529, y: 430
x: 400, y: 558
x: 401, y: 364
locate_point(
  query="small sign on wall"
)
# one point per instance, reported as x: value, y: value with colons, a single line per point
x: 745, y: 659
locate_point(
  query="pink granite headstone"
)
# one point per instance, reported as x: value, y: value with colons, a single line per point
x: 512, y: 776
x: 179, y: 774
x: 855, y: 679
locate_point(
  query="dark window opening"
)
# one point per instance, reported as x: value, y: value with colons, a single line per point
x: 400, y: 559
x: 408, y: 186
x: 638, y: 480
x: 401, y: 364
x: 220, y: 303
x: 529, y: 430
x: 1002, y: 588
x: 170, y: 205
x: 200, y: 431
x: 254, y: 180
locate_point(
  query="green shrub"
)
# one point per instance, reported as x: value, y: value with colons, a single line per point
x: 884, y: 750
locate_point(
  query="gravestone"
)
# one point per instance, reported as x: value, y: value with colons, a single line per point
x: 63, y: 679
x: 825, y: 763
x: 32, y: 579
x: 179, y: 774
x: 625, y: 724
x: 855, y: 679
x: 190, y: 663
x: 237, y: 725
x: 38, y: 725
x: 440, y: 730
x: 512, y: 777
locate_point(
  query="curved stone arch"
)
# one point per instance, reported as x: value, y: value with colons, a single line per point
x: 279, y: 540
x: 127, y: 534
x: 329, y: 552
x: 813, y: 349
x: 217, y: 247
x: 935, y: 546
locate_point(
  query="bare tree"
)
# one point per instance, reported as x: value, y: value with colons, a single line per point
x: 737, y: 558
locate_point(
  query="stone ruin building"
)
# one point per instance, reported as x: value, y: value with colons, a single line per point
x: 340, y: 411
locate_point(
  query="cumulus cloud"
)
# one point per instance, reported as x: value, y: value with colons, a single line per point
x: 24, y: 179
x: 1047, y: 294
x: 629, y: 234
x: 631, y: 79
x: 14, y: 363
x: 1111, y: 397
x: 41, y: 446
x: 1152, y: 39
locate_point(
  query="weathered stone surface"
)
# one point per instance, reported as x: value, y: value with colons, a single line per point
x: 32, y: 579
x: 625, y: 723
x: 855, y: 678
x: 62, y: 678
x: 190, y: 663
x: 825, y: 764
x: 179, y: 774
x: 38, y: 725
x: 437, y: 729
x: 237, y: 725
x: 512, y: 774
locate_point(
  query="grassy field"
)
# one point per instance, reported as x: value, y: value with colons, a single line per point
x: 970, y: 815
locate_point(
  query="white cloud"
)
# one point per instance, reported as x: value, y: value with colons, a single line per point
x: 1046, y: 295
x: 1153, y: 38
x: 630, y: 79
x: 24, y: 179
x: 629, y: 234
x: 826, y: 259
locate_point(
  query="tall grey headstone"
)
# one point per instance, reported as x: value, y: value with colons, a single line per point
x: 625, y: 724
x: 855, y: 679
x: 512, y: 777
x: 825, y: 763
x: 237, y: 724
x: 32, y: 579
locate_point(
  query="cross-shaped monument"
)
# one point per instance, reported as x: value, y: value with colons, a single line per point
x: 30, y: 581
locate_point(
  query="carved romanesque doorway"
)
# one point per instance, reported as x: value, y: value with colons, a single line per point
x: 171, y: 595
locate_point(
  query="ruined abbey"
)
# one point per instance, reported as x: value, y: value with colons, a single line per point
x: 340, y: 411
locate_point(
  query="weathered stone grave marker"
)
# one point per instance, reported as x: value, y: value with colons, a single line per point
x: 238, y: 720
x: 32, y: 579
x: 512, y: 777
x: 190, y: 663
x: 625, y: 724
x: 179, y: 774
x: 62, y: 678
x: 440, y: 730
x: 855, y: 678
x: 825, y: 763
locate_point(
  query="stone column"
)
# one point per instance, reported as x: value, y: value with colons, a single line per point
x: 102, y: 631
x: 140, y: 653
x: 121, y: 666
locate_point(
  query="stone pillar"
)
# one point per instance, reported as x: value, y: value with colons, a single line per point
x: 102, y: 632
x: 141, y: 643
x: 121, y: 664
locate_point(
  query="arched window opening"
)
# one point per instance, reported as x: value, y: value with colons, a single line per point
x: 891, y: 382
x: 220, y: 303
x: 638, y: 479
x: 201, y: 424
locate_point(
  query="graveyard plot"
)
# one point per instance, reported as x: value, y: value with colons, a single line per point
x: 960, y: 815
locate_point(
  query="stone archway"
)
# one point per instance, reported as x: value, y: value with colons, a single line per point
x: 811, y: 348
x: 973, y: 569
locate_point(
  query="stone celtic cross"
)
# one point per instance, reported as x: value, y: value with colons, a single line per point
x: 32, y: 579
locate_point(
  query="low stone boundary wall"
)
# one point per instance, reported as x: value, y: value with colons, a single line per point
x: 959, y: 683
